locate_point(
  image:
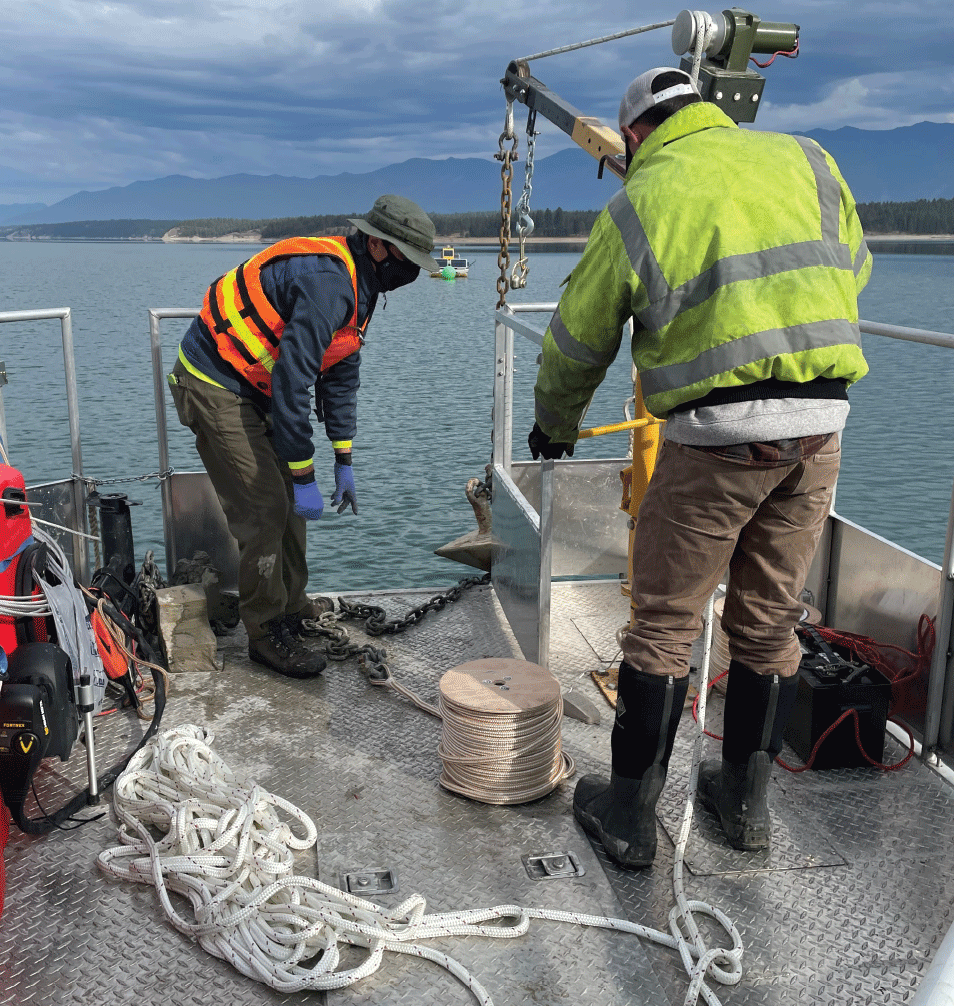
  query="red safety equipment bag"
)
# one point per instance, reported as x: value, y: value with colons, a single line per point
x: 15, y: 529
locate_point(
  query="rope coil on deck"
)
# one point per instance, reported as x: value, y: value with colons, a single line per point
x: 500, y: 740
x: 228, y: 846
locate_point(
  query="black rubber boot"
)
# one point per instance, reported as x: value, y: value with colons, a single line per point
x: 621, y: 811
x: 757, y: 707
x: 280, y: 651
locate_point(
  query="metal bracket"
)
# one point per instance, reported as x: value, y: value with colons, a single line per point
x: 373, y: 881
x: 554, y: 866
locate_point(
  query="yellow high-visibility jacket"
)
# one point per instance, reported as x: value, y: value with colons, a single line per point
x: 739, y: 256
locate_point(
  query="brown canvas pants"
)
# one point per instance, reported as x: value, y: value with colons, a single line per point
x: 703, y: 515
x: 255, y: 490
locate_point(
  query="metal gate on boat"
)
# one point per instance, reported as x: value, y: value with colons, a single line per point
x: 550, y: 519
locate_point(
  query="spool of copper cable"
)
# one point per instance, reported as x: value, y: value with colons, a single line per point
x: 500, y: 735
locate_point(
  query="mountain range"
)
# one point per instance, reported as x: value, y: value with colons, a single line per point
x: 893, y: 165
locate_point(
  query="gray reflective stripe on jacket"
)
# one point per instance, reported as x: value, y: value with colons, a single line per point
x: 573, y: 349
x: 748, y: 349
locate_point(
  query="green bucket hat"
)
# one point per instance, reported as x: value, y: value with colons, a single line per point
x: 405, y: 225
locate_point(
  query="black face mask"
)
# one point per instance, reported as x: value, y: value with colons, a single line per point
x: 394, y: 272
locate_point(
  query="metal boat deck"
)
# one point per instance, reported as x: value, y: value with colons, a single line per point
x: 848, y: 905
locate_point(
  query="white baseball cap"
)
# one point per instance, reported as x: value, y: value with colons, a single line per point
x: 640, y: 95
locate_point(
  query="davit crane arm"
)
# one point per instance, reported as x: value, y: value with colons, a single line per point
x: 715, y: 51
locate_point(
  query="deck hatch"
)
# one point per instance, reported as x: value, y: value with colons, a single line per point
x: 554, y: 865
x: 365, y: 882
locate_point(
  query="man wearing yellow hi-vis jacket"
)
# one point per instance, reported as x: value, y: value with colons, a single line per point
x: 290, y: 319
x: 739, y: 257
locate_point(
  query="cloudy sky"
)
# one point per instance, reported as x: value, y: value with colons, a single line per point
x: 97, y: 94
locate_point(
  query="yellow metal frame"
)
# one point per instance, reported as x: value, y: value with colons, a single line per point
x: 635, y: 478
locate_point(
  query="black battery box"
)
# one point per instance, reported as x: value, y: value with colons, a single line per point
x: 829, y: 684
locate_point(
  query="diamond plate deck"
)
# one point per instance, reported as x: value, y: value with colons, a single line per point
x: 848, y: 906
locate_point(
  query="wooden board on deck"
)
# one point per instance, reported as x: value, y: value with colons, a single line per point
x: 608, y: 683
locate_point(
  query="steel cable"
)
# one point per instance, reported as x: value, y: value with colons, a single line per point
x: 596, y: 41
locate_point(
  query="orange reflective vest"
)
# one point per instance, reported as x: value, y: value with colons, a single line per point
x: 245, y: 325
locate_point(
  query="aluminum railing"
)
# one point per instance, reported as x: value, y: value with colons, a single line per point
x: 72, y: 405
x: 939, y: 711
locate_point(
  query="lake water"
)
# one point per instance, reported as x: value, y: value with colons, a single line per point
x: 424, y: 409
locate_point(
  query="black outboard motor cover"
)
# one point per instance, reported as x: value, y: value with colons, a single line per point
x: 38, y: 716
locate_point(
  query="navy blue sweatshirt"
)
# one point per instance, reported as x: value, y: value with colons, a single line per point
x: 314, y: 297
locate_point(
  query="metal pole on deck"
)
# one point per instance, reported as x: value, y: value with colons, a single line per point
x: 503, y: 394
x: 78, y: 486
x: 72, y: 404
x: 546, y: 561
x: 162, y: 430
x: 162, y: 435
x: 939, y: 710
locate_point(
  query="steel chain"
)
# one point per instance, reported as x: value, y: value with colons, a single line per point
x: 506, y: 175
x: 93, y: 483
x: 518, y: 278
x: 374, y: 658
x: 376, y: 620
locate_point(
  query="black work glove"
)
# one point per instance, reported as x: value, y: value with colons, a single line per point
x: 540, y: 443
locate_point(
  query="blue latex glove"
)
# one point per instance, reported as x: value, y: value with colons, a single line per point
x: 308, y: 501
x: 344, y: 488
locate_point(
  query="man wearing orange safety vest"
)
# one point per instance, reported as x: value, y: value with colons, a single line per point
x: 290, y: 319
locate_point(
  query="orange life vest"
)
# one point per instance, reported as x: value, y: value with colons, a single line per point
x: 245, y: 325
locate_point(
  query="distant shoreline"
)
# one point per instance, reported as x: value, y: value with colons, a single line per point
x: 494, y: 242
x: 255, y: 237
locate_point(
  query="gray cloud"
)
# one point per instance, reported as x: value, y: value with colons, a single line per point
x: 105, y: 93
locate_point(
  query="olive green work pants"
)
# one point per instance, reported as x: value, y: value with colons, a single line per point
x: 233, y: 438
x: 703, y: 515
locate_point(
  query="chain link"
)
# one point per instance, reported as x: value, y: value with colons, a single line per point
x: 518, y: 278
x: 507, y: 157
x: 374, y: 659
x: 376, y: 620
x: 93, y: 483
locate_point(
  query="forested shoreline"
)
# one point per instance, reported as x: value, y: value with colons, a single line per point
x: 919, y: 218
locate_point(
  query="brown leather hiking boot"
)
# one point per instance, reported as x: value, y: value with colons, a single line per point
x: 314, y: 609
x: 279, y: 651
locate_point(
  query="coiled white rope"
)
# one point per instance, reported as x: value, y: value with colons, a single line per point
x: 704, y: 30
x: 725, y: 966
x: 228, y: 846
